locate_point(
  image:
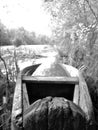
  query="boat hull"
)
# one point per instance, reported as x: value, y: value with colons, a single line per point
x: 81, y: 97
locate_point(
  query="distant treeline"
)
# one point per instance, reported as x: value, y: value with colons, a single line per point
x: 20, y: 36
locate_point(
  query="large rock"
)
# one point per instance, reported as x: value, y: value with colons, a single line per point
x: 54, y: 114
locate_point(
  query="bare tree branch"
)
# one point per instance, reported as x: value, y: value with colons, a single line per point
x: 92, y: 10
x: 7, y: 78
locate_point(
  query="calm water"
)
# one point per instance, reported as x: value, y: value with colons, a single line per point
x: 26, y: 55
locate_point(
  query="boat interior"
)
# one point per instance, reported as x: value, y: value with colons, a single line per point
x: 38, y: 89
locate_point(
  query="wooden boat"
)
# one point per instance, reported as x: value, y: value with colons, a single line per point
x: 53, y: 79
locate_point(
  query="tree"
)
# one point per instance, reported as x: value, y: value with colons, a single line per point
x: 4, y: 38
x: 79, y: 19
x: 7, y: 78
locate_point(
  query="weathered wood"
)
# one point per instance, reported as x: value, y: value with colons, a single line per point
x: 25, y: 97
x: 36, y: 114
x: 17, y: 108
x: 54, y: 114
x: 76, y: 97
x: 85, y: 100
x: 66, y: 80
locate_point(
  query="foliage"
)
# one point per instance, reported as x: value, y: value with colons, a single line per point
x: 20, y: 36
x: 74, y: 25
x: 4, y: 39
x: 75, y: 28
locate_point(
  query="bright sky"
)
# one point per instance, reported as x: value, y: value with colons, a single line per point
x: 26, y: 13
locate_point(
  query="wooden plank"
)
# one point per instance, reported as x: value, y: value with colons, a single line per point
x: 25, y: 97
x: 76, y: 96
x: 69, y: 80
x: 85, y: 101
x: 17, y: 104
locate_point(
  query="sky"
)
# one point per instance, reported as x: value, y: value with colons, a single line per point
x: 25, y: 13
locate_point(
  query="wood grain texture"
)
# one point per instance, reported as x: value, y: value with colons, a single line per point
x: 54, y: 114
x: 59, y: 79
